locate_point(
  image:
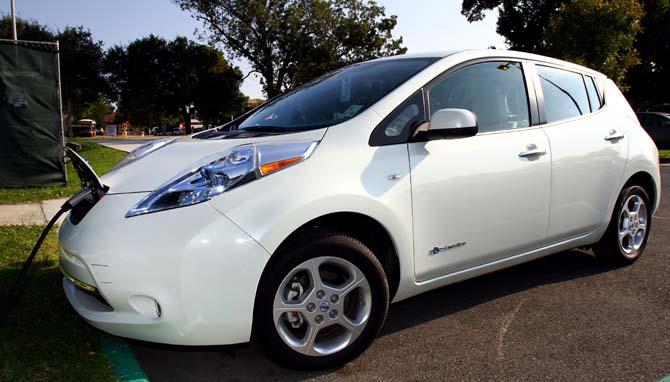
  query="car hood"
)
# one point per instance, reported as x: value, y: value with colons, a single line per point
x: 148, y: 173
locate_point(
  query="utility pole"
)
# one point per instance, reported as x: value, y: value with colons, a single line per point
x: 13, y: 22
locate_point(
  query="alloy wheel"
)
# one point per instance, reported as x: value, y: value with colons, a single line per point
x: 322, y: 306
x: 632, y: 228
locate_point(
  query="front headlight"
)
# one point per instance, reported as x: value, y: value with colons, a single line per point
x: 221, y: 172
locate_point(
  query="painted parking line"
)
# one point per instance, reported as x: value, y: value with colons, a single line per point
x: 661, y: 217
x: 126, y: 367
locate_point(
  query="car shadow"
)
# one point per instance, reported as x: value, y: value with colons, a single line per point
x: 172, y: 363
x: 453, y: 298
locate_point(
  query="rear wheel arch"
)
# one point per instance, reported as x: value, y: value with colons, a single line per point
x: 646, y: 181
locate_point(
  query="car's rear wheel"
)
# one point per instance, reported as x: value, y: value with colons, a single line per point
x: 320, y: 303
x: 626, y: 237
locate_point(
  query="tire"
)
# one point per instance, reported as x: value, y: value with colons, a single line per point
x: 287, y: 283
x: 626, y: 251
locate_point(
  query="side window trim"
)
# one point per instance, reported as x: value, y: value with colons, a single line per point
x: 533, y: 82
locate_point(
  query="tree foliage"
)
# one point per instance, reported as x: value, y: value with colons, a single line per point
x: 154, y: 80
x: 649, y: 80
x: 291, y: 41
x: 522, y: 23
x: 29, y: 30
x: 620, y: 38
x: 598, y: 34
x: 81, y: 59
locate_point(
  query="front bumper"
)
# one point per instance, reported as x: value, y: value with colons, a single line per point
x: 186, y: 276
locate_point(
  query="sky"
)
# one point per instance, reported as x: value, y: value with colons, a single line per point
x: 425, y: 25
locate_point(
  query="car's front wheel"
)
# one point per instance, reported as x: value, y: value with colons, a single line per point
x: 626, y: 237
x: 320, y: 303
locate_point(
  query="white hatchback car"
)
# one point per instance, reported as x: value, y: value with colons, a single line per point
x: 297, y: 225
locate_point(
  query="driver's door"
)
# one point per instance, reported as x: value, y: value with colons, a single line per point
x: 480, y: 199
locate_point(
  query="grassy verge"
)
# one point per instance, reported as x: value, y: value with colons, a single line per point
x: 43, y: 338
x: 664, y: 153
x: 101, y: 158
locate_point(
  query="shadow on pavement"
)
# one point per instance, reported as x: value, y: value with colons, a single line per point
x: 245, y: 362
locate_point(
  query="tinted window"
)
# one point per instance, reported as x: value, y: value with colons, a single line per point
x: 564, y: 94
x: 494, y: 91
x: 397, y: 127
x: 594, y: 97
x: 335, y: 97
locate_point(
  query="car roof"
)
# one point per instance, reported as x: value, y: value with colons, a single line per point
x: 483, y: 53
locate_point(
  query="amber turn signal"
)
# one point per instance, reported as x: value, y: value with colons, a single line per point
x: 269, y: 168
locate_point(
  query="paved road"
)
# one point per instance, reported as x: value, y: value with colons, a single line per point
x: 564, y: 317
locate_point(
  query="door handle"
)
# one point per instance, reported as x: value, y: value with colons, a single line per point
x: 533, y: 151
x: 614, y: 136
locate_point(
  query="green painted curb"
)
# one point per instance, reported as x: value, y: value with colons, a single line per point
x: 665, y: 379
x: 126, y: 367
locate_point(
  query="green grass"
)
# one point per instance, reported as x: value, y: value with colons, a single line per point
x: 101, y: 158
x: 43, y: 339
x: 664, y: 153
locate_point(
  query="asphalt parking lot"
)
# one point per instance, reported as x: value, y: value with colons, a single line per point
x: 564, y: 317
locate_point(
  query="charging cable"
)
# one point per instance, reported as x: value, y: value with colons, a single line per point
x: 10, y: 299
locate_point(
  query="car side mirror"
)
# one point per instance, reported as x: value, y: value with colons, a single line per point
x: 452, y: 123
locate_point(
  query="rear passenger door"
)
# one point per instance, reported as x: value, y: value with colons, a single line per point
x: 589, y: 151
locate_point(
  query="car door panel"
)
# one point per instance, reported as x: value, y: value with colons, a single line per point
x: 480, y: 192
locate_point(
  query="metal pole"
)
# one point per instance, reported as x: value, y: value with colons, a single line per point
x: 13, y: 22
x: 60, y: 109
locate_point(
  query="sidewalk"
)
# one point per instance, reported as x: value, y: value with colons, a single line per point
x: 37, y: 213
x: 124, y: 145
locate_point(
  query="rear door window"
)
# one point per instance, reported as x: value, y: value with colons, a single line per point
x: 564, y: 94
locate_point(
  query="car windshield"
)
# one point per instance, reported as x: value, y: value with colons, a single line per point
x: 334, y: 97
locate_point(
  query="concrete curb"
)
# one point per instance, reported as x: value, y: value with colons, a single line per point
x: 37, y: 213
x: 126, y: 367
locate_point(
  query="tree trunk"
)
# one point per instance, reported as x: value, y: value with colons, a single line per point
x: 186, y: 114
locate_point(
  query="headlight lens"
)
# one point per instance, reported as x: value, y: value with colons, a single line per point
x: 222, y: 172
x: 143, y: 151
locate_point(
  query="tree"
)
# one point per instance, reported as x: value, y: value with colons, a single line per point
x: 98, y: 110
x: 600, y: 34
x: 29, y: 30
x: 290, y: 41
x: 649, y: 80
x: 154, y: 80
x: 138, y: 76
x: 81, y: 60
x: 201, y: 79
x: 522, y: 23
